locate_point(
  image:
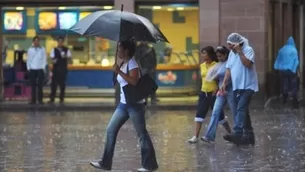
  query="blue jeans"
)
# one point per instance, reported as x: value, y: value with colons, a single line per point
x: 242, y: 118
x: 217, y: 113
x: 136, y: 112
x: 205, y: 102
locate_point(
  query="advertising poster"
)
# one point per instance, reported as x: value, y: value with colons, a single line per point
x: 83, y: 15
x: 13, y: 21
x: 47, y: 20
x: 67, y: 20
x: 167, y: 77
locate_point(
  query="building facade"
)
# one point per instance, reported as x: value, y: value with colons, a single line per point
x: 266, y: 23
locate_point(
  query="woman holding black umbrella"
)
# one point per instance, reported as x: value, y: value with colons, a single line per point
x: 128, y: 73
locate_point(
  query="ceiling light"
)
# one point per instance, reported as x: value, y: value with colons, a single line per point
x: 180, y: 8
x: 19, y: 8
x: 170, y: 9
x: 107, y: 7
x: 157, y: 7
x: 62, y: 8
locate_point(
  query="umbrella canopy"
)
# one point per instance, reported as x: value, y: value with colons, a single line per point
x: 118, y: 25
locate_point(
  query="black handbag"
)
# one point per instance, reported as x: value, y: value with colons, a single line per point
x: 144, y: 88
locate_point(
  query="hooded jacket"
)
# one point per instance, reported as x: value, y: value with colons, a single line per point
x: 287, y: 58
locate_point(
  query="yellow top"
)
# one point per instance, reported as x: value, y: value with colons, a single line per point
x: 206, y: 85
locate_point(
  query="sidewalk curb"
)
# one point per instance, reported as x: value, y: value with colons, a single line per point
x: 95, y: 107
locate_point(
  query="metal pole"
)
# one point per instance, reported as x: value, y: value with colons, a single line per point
x: 117, y: 88
x: 301, y: 52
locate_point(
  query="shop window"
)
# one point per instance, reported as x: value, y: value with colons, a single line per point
x: 22, y: 24
x: 179, y: 23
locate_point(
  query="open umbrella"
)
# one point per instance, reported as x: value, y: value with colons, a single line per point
x: 117, y: 25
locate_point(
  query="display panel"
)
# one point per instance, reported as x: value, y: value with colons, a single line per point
x: 13, y: 21
x: 47, y: 20
x: 83, y: 15
x: 67, y: 20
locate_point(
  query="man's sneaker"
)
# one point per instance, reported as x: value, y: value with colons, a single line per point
x: 98, y: 166
x: 193, y: 140
x: 144, y: 170
x: 207, y: 140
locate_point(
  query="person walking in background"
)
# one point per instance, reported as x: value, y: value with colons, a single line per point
x: 36, y: 63
x: 207, y: 96
x: 286, y: 63
x: 128, y: 73
x: 59, y: 56
x: 240, y: 69
x: 146, y: 56
x: 222, y: 98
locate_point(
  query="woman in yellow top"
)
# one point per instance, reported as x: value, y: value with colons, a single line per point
x: 207, y: 95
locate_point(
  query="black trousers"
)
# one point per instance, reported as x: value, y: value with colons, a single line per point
x: 58, y: 79
x: 153, y: 96
x: 36, y: 80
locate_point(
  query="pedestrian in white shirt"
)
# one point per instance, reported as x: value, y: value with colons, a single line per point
x: 36, y: 64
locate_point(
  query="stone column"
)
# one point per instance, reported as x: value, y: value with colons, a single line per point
x: 278, y: 39
x: 1, y: 62
x: 128, y: 6
x: 208, y: 23
x: 288, y: 17
x: 301, y: 51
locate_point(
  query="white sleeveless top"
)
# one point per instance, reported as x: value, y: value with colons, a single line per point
x: 132, y: 64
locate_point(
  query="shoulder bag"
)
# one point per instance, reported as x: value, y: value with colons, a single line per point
x: 144, y: 88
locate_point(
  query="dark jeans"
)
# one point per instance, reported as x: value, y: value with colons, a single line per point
x: 58, y: 79
x: 289, y: 83
x: 36, y: 80
x: 206, y: 101
x: 242, y: 118
x: 136, y: 113
x: 153, y: 96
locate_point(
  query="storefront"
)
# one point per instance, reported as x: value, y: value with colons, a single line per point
x: 188, y: 26
x: 90, y: 68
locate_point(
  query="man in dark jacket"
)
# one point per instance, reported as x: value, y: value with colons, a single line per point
x: 147, y: 59
x: 60, y: 56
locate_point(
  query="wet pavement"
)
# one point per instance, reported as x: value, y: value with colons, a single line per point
x: 68, y: 141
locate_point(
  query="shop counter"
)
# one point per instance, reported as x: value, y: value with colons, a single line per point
x: 171, y: 79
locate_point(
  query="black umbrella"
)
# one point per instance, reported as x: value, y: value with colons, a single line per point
x: 118, y: 25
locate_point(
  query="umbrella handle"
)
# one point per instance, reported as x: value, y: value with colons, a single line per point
x: 114, y: 80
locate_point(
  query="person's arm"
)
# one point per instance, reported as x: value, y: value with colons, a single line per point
x: 246, y: 57
x: 69, y: 54
x: 245, y: 60
x: 228, y: 71
x: 133, y: 76
x: 52, y: 55
x: 44, y: 59
x: 134, y: 73
x: 296, y: 62
x: 227, y: 77
x: 29, y: 58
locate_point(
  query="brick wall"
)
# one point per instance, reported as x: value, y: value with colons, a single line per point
x: 249, y: 18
